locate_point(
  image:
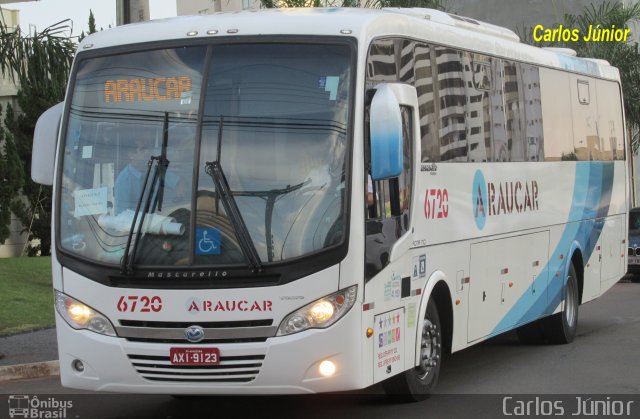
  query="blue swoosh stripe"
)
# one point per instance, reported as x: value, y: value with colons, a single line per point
x: 591, y: 200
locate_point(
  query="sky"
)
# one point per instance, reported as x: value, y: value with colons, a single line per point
x: 44, y: 13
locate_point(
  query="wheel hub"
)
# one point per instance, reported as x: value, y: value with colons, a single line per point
x: 429, y: 349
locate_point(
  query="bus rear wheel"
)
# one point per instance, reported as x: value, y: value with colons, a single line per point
x: 561, y: 327
x: 417, y: 383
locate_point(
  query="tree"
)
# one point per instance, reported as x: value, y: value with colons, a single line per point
x: 11, y: 180
x: 92, y: 27
x: 40, y: 65
x: 623, y: 55
x: 92, y: 23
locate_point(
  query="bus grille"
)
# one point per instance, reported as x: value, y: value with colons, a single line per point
x: 232, y: 369
x: 214, y: 332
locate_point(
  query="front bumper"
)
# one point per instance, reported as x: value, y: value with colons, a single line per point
x: 281, y: 365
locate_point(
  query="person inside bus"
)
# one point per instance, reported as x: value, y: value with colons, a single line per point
x: 159, y: 249
x: 370, y: 196
x: 129, y: 182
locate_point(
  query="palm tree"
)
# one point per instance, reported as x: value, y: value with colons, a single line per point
x: 39, y: 64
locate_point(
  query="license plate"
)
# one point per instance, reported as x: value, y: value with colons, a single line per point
x: 634, y: 260
x: 194, y: 356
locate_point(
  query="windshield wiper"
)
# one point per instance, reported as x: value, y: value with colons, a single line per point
x: 126, y: 266
x: 214, y: 170
x: 158, y: 175
x: 163, y: 163
x: 270, y: 196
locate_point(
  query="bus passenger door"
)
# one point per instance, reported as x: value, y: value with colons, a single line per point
x: 389, y: 200
x: 389, y: 206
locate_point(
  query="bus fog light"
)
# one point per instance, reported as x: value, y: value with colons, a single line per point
x: 77, y: 365
x: 81, y: 316
x: 327, y: 368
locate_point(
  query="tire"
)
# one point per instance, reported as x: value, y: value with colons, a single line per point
x: 561, y: 327
x: 418, y: 383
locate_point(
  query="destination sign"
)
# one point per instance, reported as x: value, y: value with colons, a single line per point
x: 146, y: 89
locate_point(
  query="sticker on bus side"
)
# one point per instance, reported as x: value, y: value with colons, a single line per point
x: 389, y: 344
x: 419, y: 267
x: 392, y: 287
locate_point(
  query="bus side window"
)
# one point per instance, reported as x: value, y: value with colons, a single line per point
x: 533, y: 113
x: 514, y: 111
x: 479, y: 86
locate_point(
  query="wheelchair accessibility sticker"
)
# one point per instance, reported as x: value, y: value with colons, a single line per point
x: 207, y: 241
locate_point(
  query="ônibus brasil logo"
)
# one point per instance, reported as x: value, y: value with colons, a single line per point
x: 502, y: 198
x: 25, y: 406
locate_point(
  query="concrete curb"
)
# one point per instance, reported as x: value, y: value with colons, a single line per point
x: 28, y: 371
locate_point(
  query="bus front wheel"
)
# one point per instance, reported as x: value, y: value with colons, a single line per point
x: 417, y: 383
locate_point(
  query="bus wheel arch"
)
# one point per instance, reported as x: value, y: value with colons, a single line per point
x: 433, y: 342
x: 437, y: 289
x: 576, y: 259
x: 442, y: 297
x: 554, y: 329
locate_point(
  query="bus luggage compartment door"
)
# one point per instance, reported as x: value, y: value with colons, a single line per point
x: 507, y: 279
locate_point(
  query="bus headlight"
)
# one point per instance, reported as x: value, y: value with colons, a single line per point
x: 320, y: 313
x: 81, y: 316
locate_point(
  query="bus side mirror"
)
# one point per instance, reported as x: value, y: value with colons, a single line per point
x: 385, y: 128
x: 45, y: 140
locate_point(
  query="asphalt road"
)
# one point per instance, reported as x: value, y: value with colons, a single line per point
x: 25, y: 348
x: 602, y: 363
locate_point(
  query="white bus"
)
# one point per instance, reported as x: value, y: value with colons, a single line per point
x: 301, y: 201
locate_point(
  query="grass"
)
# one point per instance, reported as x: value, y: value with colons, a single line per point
x: 26, y: 295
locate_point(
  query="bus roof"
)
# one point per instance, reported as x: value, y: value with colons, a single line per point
x: 364, y: 24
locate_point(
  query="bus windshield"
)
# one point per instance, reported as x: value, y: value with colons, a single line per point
x: 144, y: 130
